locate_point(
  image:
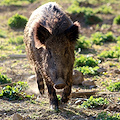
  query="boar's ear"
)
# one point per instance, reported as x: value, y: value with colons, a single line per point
x: 40, y: 35
x: 72, y: 32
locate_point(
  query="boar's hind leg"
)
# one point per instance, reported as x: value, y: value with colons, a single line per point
x: 40, y: 82
x: 66, y: 94
x: 52, y: 96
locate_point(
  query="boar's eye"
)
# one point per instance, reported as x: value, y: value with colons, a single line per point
x: 66, y: 52
x: 49, y: 53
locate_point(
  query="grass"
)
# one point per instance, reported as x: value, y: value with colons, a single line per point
x: 16, y: 2
x: 116, y: 20
x: 110, y: 54
x: 4, y: 79
x: 114, y: 87
x: 15, y: 92
x: 83, y: 43
x: 86, y: 70
x: 95, y: 102
x: 108, y: 116
x: 87, y: 65
x: 2, y: 34
x: 16, y: 41
x: 88, y: 13
x: 104, y: 9
x: 99, y: 38
x: 82, y: 60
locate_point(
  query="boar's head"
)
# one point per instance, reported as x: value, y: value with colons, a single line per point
x: 58, y: 53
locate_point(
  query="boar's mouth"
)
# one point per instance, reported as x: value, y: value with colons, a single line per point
x: 59, y: 84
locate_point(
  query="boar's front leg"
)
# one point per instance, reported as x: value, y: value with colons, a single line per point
x: 52, y: 96
x: 40, y: 82
x: 66, y: 93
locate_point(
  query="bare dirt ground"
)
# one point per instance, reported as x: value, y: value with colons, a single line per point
x: 19, y: 69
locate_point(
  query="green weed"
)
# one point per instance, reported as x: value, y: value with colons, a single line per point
x: 20, y: 47
x: 2, y: 34
x: 105, y: 26
x: 87, y: 65
x: 82, y: 43
x: 99, y: 38
x: 106, y: 116
x: 4, y: 79
x: 88, y: 13
x: 1, y: 47
x: 82, y: 60
x: 110, y: 54
x: 114, y: 87
x: 16, y: 41
x: 31, y: 1
x: 59, y: 98
x: 86, y: 70
x: 15, y: 92
x: 104, y: 9
x: 17, y: 21
x: 116, y: 20
x: 9, y: 2
x: 95, y: 102
x: 118, y: 38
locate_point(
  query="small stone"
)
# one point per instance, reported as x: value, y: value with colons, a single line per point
x: 78, y: 102
x: 16, y: 116
x: 31, y: 78
x: 117, y: 71
x: 89, y: 83
x: 78, y: 77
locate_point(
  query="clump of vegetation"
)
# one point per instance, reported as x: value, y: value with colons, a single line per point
x: 106, y: 116
x: 1, y: 47
x: 15, y: 92
x: 87, y: 65
x: 86, y: 70
x: 9, y: 2
x: 4, y: 79
x: 2, y: 34
x: 83, y: 43
x: 20, y: 47
x: 95, y: 102
x: 31, y: 1
x: 82, y: 60
x: 16, y: 41
x: 88, y: 13
x: 116, y: 20
x: 114, y: 87
x: 118, y: 38
x: 105, y: 26
x: 104, y: 9
x: 17, y: 21
x: 99, y: 38
x: 110, y: 54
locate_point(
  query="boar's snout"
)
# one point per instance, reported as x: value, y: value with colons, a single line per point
x: 59, y: 84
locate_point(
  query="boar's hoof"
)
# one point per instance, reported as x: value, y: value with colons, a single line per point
x: 53, y: 107
x: 59, y: 84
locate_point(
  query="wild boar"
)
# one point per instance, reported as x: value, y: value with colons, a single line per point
x: 50, y: 37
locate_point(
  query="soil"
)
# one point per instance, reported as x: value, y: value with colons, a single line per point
x: 19, y: 69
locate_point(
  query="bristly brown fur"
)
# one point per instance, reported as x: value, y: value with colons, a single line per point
x: 49, y: 38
